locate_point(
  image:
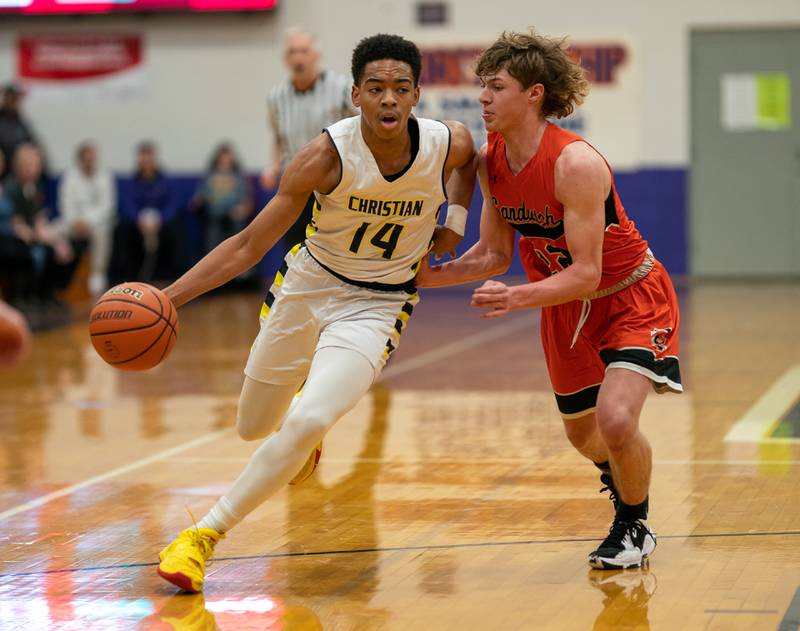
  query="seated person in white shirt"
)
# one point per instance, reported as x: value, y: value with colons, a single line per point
x: 87, y: 200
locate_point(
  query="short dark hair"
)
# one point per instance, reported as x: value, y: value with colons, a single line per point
x: 383, y: 46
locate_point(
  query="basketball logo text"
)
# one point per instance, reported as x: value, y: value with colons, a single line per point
x: 128, y: 291
x: 116, y: 314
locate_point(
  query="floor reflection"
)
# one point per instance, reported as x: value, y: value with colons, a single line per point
x: 358, y: 579
x: 185, y: 612
x: 626, y: 598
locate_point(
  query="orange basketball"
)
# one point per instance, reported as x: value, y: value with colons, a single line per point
x: 133, y: 326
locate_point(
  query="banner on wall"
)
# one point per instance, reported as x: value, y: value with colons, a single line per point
x: 75, y: 67
x: 609, y: 118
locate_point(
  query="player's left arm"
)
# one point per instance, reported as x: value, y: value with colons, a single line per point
x: 459, y: 171
x: 583, y: 182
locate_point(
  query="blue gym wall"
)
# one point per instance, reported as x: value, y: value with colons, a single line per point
x: 655, y: 199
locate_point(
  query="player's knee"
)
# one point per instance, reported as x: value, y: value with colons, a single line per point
x: 308, y: 426
x: 617, y: 423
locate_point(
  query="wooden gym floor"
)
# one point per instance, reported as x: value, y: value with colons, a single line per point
x: 447, y: 499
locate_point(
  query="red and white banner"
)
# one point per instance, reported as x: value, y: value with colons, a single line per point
x: 81, y: 66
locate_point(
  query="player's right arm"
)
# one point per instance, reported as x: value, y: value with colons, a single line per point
x: 315, y: 167
x: 490, y: 256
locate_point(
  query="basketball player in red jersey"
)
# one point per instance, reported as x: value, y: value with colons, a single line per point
x: 609, y: 322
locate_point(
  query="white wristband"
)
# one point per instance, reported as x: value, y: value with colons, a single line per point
x: 456, y: 219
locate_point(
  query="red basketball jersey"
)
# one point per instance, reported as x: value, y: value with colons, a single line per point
x: 528, y: 202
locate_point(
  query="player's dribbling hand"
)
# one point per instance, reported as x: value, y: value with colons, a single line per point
x: 445, y: 242
x: 494, y: 296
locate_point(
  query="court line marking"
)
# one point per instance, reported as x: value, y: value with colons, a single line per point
x: 102, y: 477
x: 440, y: 546
x: 453, y: 348
x: 765, y: 413
x: 477, y: 461
x: 740, y: 611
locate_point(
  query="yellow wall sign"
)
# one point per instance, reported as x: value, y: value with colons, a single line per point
x: 774, y: 100
x: 752, y: 102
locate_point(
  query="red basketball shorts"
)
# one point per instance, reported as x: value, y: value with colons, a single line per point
x: 635, y: 328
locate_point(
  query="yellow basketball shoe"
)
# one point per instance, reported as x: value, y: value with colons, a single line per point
x: 183, y: 562
x: 309, y: 467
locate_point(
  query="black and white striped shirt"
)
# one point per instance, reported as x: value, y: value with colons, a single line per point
x: 301, y: 116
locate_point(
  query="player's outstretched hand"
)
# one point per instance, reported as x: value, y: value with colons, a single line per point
x: 493, y: 296
x: 445, y: 242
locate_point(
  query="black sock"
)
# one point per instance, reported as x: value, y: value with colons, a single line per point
x: 605, y: 467
x: 632, y: 512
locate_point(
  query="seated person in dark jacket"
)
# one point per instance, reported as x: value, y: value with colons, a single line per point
x: 15, y: 130
x: 147, y: 239
x: 16, y: 262
x: 53, y: 257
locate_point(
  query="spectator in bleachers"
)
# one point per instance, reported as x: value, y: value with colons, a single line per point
x: 54, y: 257
x: 16, y: 262
x: 147, y: 240
x: 224, y: 196
x: 87, y: 199
x: 15, y: 130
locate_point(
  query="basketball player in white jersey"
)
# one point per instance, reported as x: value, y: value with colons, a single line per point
x: 337, y: 307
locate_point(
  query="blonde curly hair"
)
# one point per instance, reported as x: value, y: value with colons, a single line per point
x: 531, y: 58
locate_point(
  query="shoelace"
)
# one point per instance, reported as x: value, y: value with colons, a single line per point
x: 609, y: 486
x: 205, y: 545
x: 617, y: 533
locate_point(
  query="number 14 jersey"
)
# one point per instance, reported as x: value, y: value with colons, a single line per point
x: 373, y: 230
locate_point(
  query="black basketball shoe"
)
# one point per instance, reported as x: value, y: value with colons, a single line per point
x: 628, y: 544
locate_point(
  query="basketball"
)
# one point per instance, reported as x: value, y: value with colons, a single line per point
x: 133, y: 326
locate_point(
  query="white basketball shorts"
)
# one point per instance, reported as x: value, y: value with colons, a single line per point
x: 308, y: 308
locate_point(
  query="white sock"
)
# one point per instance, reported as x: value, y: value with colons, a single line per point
x: 221, y: 517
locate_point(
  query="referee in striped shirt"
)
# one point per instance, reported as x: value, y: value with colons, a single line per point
x: 308, y: 100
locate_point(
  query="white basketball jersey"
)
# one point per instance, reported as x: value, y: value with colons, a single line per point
x: 369, y: 229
